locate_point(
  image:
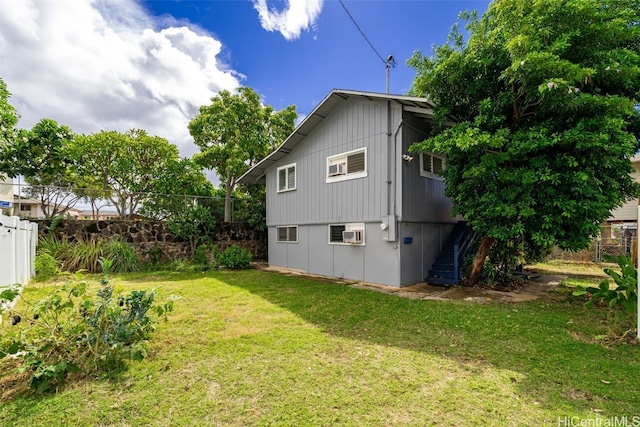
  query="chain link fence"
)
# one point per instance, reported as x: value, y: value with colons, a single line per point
x: 615, y: 239
x: 45, y: 202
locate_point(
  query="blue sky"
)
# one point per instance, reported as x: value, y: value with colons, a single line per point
x: 149, y: 64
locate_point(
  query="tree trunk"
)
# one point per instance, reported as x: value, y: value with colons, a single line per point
x: 478, y: 260
x: 227, y: 197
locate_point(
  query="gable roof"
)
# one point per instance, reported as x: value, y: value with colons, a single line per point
x: 256, y: 175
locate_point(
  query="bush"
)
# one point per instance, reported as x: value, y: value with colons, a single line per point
x: 46, y: 266
x: 123, y: 256
x: 625, y: 293
x: 235, y: 257
x: 85, y: 255
x: 72, y: 331
x: 202, y: 256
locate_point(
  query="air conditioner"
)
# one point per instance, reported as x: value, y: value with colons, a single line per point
x: 337, y: 169
x: 353, y: 236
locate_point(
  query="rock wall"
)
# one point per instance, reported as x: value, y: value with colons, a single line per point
x: 148, y: 236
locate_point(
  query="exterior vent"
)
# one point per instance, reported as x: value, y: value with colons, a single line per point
x: 337, y: 169
x: 353, y: 236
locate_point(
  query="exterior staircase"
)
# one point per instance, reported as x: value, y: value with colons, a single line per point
x: 447, y: 268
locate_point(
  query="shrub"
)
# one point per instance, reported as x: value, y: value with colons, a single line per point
x: 626, y: 291
x: 123, y: 256
x: 235, y: 257
x: 72, y: 331
x: 46, y: 266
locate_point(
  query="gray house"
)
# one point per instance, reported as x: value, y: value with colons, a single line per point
x: 346, y: 199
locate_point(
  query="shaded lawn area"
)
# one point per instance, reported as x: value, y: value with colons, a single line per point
x: 260, y: 348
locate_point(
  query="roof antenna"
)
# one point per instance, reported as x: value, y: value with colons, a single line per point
x: 389, y: 63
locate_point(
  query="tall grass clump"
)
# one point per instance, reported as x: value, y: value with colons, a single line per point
x: 122, y: 255
x: 84, y: 255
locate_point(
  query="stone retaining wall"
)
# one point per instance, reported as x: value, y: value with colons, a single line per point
x: 146, y: 235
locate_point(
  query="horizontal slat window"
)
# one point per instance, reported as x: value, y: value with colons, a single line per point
x: 355, y: 163
x: 431, y: 165
x: 287, y: 178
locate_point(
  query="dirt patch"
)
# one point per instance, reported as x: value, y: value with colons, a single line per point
x: 534, y: 288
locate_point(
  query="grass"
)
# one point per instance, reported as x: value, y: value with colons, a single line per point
x: 259, y: 348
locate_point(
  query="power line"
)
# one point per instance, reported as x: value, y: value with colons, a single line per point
x: 361, y: 32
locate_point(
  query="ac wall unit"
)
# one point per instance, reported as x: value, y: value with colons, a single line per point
x: 353, y: 236
x: 337, y: 169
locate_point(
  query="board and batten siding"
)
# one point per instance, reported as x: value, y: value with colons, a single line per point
x: 353, y: 125
x: 422, y: 199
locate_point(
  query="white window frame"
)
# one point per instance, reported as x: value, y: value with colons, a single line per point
x: 287, y: 227
x: 342, y: 158
x: 295, y: 178
x: 428, y: 174
x: 348, y: 227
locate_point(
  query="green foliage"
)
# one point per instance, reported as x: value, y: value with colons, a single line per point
x: 126, y: 166
x: 122, y: 255
x: 155, y: 254
x: 85, y: 255
x: 235, y: 258
x: 625, y: 292
x: 176, y: 188
x: 250, y: 206
x: 235, y: 132
x: 71, y: 331
x: 46, y: 266
x: 194, y: 224
x: 8, y: 132
x: 543, y: 95
x: 202, y: 256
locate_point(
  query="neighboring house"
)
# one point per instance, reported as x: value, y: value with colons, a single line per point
x: 6, y: 194
x: 28, y: 208
x: 346, y: 199
x: 624, y: 220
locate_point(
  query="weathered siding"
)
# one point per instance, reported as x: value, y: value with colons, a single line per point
x: 350, y: 126
x: 422, y: 199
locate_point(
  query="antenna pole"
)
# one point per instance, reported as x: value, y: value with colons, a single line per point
x: 389, y: 63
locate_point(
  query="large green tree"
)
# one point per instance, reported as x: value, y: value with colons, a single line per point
x: 8, y: 120
x: 543, y: 97
x: 126, y: 165
x: 41, y: 155
x: 182, y: 185
x: 235, y: 132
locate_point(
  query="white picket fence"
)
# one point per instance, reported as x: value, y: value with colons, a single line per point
x: 18, y: 239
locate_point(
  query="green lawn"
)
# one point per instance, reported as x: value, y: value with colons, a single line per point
x: 258, y: 348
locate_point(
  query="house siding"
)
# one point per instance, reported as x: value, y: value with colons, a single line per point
x: 350, y: 126
x: 422, y: 199
x: 376, y: 261
x: 629, y: 211
x: 392, y: 192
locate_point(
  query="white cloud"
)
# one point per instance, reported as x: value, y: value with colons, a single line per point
x: 297, y: 16
x: 107, y: 64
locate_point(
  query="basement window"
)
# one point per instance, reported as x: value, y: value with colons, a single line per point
x: 346, y: 234
x: 287, y: 234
